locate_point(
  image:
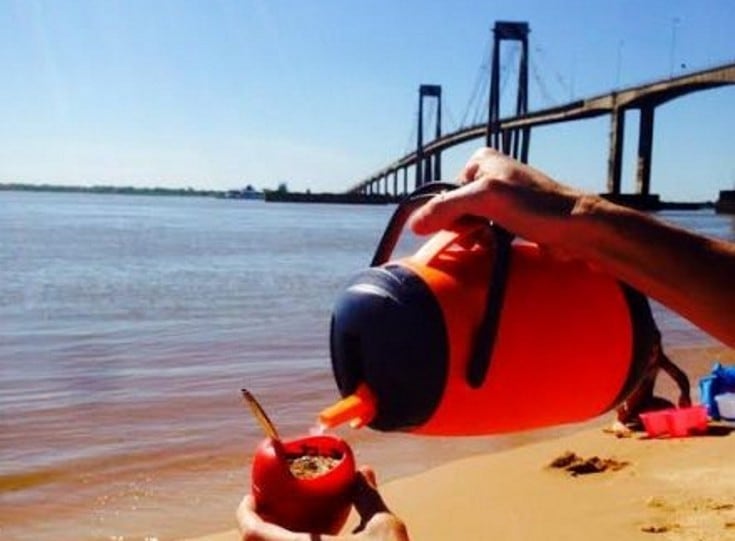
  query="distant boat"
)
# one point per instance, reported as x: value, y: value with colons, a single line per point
x: 246, y: 193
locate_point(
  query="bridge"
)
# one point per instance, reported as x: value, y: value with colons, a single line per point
x: 512, y: 135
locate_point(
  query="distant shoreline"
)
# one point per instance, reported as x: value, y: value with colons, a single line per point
x: 125, y: 190
x: 267, y: 195
x: 651, y: 202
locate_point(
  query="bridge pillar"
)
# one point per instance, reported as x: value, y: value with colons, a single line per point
x: 423, y: 162
x: 515, y: 142
x: 645, y: 150
x: 405, y: 180
x: 427, y: 170
x: 615, y: 158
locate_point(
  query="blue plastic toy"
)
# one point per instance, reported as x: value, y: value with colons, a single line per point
x: 720, y: 380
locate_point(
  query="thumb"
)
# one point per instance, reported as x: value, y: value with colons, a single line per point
x: 366, y: 499
x: 369, y: 474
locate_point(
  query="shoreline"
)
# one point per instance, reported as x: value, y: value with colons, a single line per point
x: 204, y: 485
x: 683, y: 488
x: 651, y: 203
x: 680, y: 488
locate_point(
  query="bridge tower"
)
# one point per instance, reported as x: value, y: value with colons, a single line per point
x: 426, y: 171
x: 512, y: 142
x: 645, y: 146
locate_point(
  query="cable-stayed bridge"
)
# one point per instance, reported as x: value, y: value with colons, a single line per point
x: 512, y: 134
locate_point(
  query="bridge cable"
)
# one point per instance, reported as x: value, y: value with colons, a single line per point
x: 481, y: 103
x: 482, y: 106
x: 451, y: 123
x: 479, y: 84
x: 480, y: 113
x: 481, y: 81
x: 550, y: 101
x: 546, y: 61
x: 510, y: 67
x: 411, y: 144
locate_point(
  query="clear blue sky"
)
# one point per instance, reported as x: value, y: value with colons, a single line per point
x: 319, y: 94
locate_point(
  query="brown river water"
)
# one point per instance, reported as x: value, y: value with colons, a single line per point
x: 128, y: 324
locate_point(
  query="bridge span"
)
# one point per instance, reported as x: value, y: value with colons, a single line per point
x: 645, y: 97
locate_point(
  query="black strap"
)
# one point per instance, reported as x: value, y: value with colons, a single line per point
x: 486, y: 333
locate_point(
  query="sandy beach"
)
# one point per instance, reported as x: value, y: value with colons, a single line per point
x: 673, y: 489
x: 667, y: 488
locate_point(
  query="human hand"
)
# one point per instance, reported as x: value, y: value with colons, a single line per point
x: 377, y: 523
x: 518, y: 197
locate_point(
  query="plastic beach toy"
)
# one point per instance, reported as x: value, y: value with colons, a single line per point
x: 720, y: 381
x: 656, y: 423
x: 726, y: 405
x: 675, y: 422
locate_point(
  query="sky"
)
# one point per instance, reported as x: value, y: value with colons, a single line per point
x: 319, y: 94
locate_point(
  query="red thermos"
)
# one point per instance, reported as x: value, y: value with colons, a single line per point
x: 478, y: 334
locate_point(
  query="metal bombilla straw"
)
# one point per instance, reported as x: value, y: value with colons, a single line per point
x: 260, y: 415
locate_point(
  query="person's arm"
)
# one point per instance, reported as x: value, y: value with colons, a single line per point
x: 691, y: 274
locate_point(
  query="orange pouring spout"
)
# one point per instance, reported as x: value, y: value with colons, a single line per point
x: 358, y: 409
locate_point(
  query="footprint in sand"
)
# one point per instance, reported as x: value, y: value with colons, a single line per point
x: 692, y: 518
x: 576, y: 465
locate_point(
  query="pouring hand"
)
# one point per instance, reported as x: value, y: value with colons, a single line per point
x: 689, y: 273
x: 377, y: 523
x: 521, y: 199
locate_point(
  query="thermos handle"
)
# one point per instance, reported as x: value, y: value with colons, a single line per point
x: 406, y: 207
x: 484, y: 340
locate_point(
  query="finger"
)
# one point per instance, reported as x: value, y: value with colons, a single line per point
x: 444, y: 209
x: 252, y: 526
x: 246, y: 507
x: 468, y: 173
x: 472, y: 167
x: 247, y: 518
x: 369, y: 474
x: 432, y: 216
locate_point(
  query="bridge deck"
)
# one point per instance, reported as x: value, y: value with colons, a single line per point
x: 647, y: 94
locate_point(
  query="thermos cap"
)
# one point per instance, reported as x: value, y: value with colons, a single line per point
x: 388, y: 338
